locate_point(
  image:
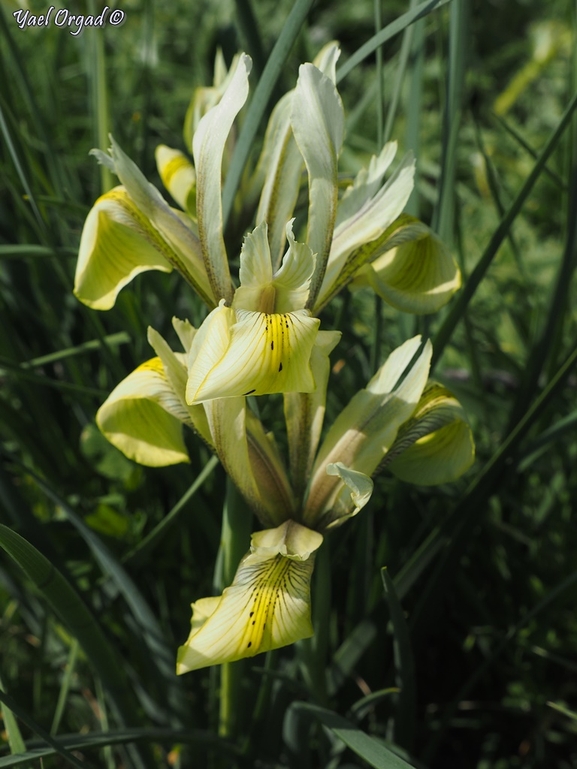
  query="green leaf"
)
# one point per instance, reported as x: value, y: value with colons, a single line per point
x: 76, y: 617
x: 404, y: 666
x: 9, y: 702
x: 368, y: 748
x: 197, y: 737
x: 392, y: 29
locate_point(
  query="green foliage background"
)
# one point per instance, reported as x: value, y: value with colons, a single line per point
x: 467, y: 658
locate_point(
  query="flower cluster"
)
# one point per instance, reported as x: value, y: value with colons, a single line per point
x: 264, y: 336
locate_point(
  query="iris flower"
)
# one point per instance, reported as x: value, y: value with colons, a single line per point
x: 263, y: 336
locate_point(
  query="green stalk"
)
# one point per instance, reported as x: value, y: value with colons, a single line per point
x: 99, y: 99
x: 443, y: 218
x: 414, y: 107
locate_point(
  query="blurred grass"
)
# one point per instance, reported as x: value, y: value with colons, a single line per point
x: 483, y: 569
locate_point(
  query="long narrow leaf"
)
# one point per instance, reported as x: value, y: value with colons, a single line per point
x: 162, y: 657
x: 466, y: 294
x: 370, y: 750
x: 201, y: 739
x: 404, y: 666
x: 76, y: 617
x: 387, y: 33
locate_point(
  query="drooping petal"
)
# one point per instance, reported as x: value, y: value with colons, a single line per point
x: 366, y: 429
x: 266, y: 607
x: 365, y: 225
x: 419, y: 275
x: 176, y: 371
x: 260, y: 353
x: 143, y: 417
x: 178, y: 176
x: 317, y: 121
x: 186, y: 253
x: 208, y: 147
x: 436, y: 445
x: 117, y: 244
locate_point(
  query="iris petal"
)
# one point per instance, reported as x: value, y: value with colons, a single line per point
x: 143, y: 417
x: 266, y: 607
x: 266, y: 353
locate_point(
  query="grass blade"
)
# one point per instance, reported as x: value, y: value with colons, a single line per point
x: 404, y: 667
x: 387, y: 33
x: 466, y: 294
x: 74, y: 614
x: 368, y: 748
x: 9, y: 702
x: 197, y: 737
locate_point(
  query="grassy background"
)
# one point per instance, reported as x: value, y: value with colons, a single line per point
x: 484, y: 647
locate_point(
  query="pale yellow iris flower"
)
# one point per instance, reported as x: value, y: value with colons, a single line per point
x: 262, y: 336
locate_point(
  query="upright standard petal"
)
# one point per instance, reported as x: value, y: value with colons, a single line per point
x: 143, y: 417
x: 266, y: 607
x: 418, y: 275
x: 366, y: 219
x: 208, y: 147
x: 366, y: 429
x: 252, y: 353
x: 317, y: 121
x: 278, y: 172
x: 117, y: 243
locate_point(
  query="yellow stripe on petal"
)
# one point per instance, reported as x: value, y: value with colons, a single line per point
x: 117, y: 243
x: 266, y: 607
x: 178, y: 176
x: 419, y: 276
x: 436, y: 445
x: 143, y: 417
x: 267, y: 353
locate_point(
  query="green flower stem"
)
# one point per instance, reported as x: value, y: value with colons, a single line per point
x: 235, y: 542
x: 99, y: 97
